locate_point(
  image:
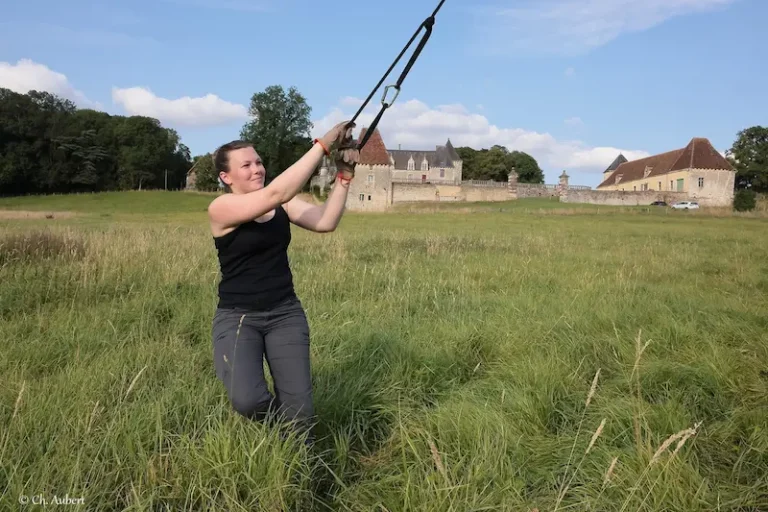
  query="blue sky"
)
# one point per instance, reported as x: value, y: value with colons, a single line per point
x: 572, y: 82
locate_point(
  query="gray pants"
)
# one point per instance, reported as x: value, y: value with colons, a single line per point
x: 242, y: 338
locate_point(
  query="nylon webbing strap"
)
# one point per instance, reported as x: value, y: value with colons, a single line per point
x: 427, y: 26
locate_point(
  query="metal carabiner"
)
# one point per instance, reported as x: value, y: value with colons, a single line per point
x: 384, y: 96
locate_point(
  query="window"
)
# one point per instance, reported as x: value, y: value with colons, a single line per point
x: 369, y: 198
x: 701, y: 182
x: 659, y: 185
x: 671, y: 185
x: 410, y: 165
x: 442, y: 173
x: 370, y: 178
x: 362, y: 197
x: 680, y: 183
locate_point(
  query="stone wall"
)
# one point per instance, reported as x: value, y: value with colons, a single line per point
x: 409, y: 192
x: 717, y: 187
x: 416, y: 192
x: 620, y: 197
x: 481, y: 193
x: 371, y: 189
x: 529, y: 190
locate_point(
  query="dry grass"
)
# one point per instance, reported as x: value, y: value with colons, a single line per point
x: 35, y: 245
x: 22, y: 214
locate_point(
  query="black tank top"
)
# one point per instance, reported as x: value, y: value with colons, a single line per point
x: 254, y: 264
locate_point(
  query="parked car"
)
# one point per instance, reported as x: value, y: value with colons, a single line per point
x: 658, y: 203
x: 686, y: 205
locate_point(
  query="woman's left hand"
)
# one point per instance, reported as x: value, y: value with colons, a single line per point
x: 346, y: 161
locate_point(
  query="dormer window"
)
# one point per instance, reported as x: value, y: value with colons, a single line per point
x: 648, y: 170
x: 618, y: 178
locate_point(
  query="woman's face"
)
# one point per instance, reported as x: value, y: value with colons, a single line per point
x: 246, y: 171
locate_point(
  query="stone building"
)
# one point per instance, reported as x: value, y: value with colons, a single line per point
x: 379, y: 168
x: 698, y: 171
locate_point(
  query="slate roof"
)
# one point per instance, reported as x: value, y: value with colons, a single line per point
x: 616, y: 163
x: 698, y: 154
x: 441, y: 156
x: 452, y: 151
x: 401, y: 156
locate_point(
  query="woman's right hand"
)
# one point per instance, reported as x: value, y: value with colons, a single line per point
x: 338, y: 136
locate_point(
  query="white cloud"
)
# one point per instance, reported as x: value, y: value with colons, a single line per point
x: 349, y: 101
x: 26, y: 75
x: 208, y: 110
x: 574, y: 26
x: 574, y: 121
x: 414, y: 125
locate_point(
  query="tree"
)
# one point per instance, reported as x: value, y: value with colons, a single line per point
x: 744, y: 200
x: 497, y: 162
x: 280, y: 128
x: 749, y: 155
x: 85, y: 156
x: 469, y: 162
x: 205, y: 177
x: 527, y: 168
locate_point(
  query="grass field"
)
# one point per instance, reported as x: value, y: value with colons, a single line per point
x: 513, y: 356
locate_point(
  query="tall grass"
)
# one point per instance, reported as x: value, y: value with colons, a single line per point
x: 487, y: 361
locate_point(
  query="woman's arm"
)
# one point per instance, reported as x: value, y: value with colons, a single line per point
x: 232, y: 209
x: 322, y: 218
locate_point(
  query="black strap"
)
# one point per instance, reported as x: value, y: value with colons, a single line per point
x: 427, y: 25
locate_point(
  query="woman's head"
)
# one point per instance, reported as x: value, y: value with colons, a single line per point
x: 239, y: 167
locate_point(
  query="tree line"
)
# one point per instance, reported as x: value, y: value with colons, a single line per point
x: 48, y: 145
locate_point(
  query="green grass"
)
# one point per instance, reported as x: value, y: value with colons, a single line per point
x: 133, y: 202
x: 462, y: 360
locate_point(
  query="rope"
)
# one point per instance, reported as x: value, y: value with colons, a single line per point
x: 427, y: 25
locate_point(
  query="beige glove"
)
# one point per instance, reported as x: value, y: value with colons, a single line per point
x: 346, y: 160
x: 339, y: 135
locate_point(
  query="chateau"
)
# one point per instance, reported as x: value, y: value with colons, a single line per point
x: 379, y: 169
x: 697, y: 171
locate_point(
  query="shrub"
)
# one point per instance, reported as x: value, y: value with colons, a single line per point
x: 745, y: 200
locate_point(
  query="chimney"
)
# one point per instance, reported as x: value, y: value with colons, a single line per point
x: 398, y: 146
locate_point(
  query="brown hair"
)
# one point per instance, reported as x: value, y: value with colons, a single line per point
x: 221, y: 157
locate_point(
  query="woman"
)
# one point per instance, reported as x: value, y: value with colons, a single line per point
x: 258, y: 313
